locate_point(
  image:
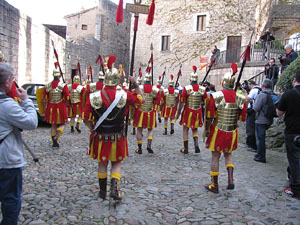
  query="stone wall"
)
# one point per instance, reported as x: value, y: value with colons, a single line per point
x: 26, y: 45
x: 178, y: 19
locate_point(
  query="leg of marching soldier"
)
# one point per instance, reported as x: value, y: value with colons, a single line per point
x: 172, y: 126
x: 102, y: 178
x: 139, y: 136
x: 72, y: 124
x: 79, y: 121
x: 230, y: 167
x: 214, y: 172
x: 149, y: 141
x: 196, y: 138
x: 166, y: 126
x: 53, y: 134
x: 115, y: 180
x: 185, y: 136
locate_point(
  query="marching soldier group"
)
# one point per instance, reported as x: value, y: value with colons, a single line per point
x: 104, y: 105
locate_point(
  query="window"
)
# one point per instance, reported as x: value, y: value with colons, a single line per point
x: 201, y: 22
x: 83, y: 27
x: 165, y: 43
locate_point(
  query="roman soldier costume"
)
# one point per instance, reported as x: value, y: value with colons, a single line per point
x: 192, y: 98
x: 224, y: 109
x: 145, y: 115
x: 56, y: 93
x: 108, y: 141
x: 170, y: 98
x: 76, y: 90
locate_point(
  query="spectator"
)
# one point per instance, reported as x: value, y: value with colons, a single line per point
x: 215, y: 55
x: 272, y: 71
x: 289, y: 56
x: 287, y: 105
x: 262, y: 123
x: 250, y: 120
x: 266, y: 40
x: 13, y: 118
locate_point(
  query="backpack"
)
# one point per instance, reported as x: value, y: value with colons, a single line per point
x: 269, y: 109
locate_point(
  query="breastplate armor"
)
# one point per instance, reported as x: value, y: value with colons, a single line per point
x: 147, y: 106
x: 92, y: 87
x: 227, y: 113
x: 114, y: 122
x: 56, y: 94
x: 170, y: 98
x: 195, y: 97
x: 75, y: 96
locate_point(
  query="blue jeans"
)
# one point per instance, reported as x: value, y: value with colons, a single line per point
x: 10, y: 195
x: 293, y: 156
x: 260, y: 130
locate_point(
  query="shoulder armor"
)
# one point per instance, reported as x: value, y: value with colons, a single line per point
x: 48, y: 87
x: 161, y: 89
x: 201, y: 90
x: 166, y: 92
x: 92, y: 87
x: 240, y: 99
x: 61, y: 86
x: 123, y: 100
x: 96, y: 100
x: 189, y: 89
x: 154, y: 91
x: 79, y: 88
x: 218, y: 97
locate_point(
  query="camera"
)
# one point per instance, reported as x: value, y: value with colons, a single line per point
x: 297, y: 141
x: 245, y: 86
x: 280, y: 57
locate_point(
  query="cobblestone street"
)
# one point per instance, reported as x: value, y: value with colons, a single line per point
x: 166, y: 187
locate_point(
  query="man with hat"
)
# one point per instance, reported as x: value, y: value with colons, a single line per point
x: 145, y: 115
x: 108, y: 140
x: 250, y: 121
x: 224, y: 109
x: 170, y: 98
x: 55, y: 95
x: 192, y: 98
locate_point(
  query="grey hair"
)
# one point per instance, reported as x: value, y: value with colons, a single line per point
x: 6, y: 72
x: 267, y: 83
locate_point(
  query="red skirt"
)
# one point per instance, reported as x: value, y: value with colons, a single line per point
x: 191, y: 118
x: 112, y: 148
x: 77, y: 109
x: 56, y: 113
x: 222, y: 141
x: 168, y: 112
x: 144, y: 119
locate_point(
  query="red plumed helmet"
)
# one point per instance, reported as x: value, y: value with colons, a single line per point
x: 111, y: 60
x: 56, y: 64
x: 195, y: 68
x: 172, y: 76
x: 141, y: 74
x: 159, y: 77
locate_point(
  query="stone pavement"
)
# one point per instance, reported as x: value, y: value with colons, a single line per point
x: 163, y: 188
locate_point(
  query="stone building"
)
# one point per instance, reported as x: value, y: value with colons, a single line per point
x: 94, y: 31
x: 185, y: 31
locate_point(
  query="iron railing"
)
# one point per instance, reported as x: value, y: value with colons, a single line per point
x: 260, y: 52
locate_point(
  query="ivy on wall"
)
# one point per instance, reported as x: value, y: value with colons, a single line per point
x: 285, y: 81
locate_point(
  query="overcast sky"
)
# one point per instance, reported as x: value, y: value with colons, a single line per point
x: 53, y: 11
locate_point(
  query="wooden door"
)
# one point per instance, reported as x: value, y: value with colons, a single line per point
x: 233, y: 51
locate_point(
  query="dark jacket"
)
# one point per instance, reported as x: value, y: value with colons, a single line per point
x: 272, y: 72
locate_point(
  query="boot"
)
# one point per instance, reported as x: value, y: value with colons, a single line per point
x: 133, y: 131
x: 72, y: 129
x: 197, y: 149
x: 159, y: 118
x: 213, y: 187
x: 185, y: 149
x: 230, y: 178
x: 77, y: 127
x: 114, y: 189
x: 166, y: 131
x: 102, y: 185
x: 139, y: 150
x: 149, y: 146
x: 54, y: 143
x: 172, y: 128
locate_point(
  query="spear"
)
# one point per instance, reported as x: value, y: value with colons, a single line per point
x: 246, y: 57
x: 178, y: 75
x: 100, y: 61
x: 56, y: 56
x: 79, y: 70
x: 209, y: 68
x: 163, y: 76
x: 151, y: 61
